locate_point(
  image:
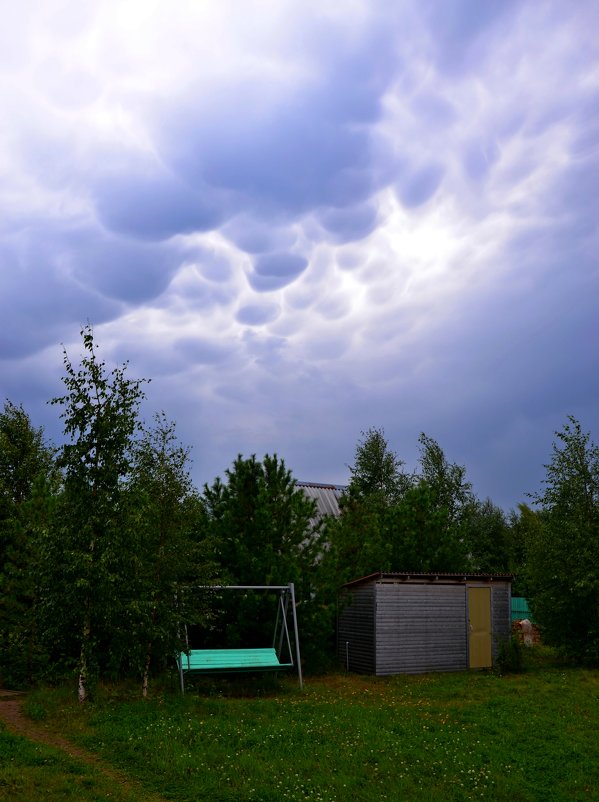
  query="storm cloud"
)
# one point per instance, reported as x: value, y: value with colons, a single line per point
x: 302, y: 221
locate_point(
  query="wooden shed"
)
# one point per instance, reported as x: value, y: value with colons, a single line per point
x: 395, y: 623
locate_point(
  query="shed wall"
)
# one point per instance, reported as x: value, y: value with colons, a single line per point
x: 411, y: 627
x: 356, y: 630
x: 420, y: 628
x: 501, y: 615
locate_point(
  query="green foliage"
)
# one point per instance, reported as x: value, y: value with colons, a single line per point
x: 89, y: 557
x: 261, y: 522
x: 510, y: 659
x: 562, y: 552
x: 362, y: 540
x: 394, y: 522
x: 166, y: 524
x: 27, y: 478
x: 96, y: 546
x: 377, y: 471
x: 489, y: 539
x: 427, y: 539
x: 24, y: 457
x: 525, y: 528
x: 101, y: 416
x: 447, y: 481
x: 264, y: 534
x: 358, y: 542
x: 412, y: 535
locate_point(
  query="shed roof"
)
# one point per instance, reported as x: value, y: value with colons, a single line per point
x: 326, y: 496
x: 430, y: 576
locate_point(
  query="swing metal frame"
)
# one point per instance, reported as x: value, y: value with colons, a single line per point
x: 225, y: 661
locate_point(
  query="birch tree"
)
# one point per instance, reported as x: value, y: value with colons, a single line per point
x: 101, y: 418
x: 26, y: 485
x: 168, y: 527
x: 562, y: 554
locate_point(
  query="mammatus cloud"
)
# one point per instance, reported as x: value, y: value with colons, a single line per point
x: 258, y: 314
x: 153, y: 205
x: 304, y: 221
x: 275, y: 270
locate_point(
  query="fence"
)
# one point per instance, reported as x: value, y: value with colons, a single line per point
x: 520, y: 609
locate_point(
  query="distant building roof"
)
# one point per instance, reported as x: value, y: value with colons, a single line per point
x: 326, y: 496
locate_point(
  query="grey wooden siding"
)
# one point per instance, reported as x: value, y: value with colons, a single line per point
x: 356, y: 630
x: 420, y: 628
x: 501, y: 615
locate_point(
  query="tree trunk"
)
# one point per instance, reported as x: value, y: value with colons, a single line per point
x: 146, y: 676
x: 82, y: 689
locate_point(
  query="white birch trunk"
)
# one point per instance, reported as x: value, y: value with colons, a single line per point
x: 83, y: 666
x: 82, y: 685
x: 146, y: 677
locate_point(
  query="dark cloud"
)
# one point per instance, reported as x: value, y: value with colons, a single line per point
x: 333, y: 307
x: 352, y: 224
x: 207, y: 217
x: 419, y: 186
x: 40, y: 297
x: 462, y: 25
x: 275, y: 270
x: 258, y: 236
x: 284, y: 159
x: 349, y: 259
x: 152, y: 357
x: 479, y: 157
x: 434, y: 109
x: 192, y: 294
x: 213, y: 265
x: 287, y: 148
x: 257, y: 314
x: 154, y: 206
x: 119, y: 268
x: 201, y: 351
x: 66, y: 273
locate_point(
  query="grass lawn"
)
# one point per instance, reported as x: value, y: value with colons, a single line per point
x: 31, y: 772
x: 531, y: 736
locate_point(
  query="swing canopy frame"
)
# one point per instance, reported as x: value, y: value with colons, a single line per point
x: 234, y: 661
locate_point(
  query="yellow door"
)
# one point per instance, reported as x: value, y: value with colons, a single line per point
x: 479, y: 627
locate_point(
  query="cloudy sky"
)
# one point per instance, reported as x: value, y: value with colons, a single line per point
x: 304, y: 218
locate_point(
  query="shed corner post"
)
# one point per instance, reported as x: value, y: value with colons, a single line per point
x: 296, y: 634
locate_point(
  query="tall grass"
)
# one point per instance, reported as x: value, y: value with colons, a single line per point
x: 531, y: 736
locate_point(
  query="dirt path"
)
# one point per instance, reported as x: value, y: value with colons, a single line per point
x: 11, y: 714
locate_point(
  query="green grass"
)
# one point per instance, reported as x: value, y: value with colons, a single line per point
x: 32, y: 772
x: 531, y: 736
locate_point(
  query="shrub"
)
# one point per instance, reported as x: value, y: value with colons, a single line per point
x: 509, y: 658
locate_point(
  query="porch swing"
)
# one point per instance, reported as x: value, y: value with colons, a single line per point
x: 235, y: 661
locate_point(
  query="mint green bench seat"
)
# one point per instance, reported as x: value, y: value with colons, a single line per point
x: 215, y: 661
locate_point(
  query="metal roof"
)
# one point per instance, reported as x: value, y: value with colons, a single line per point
x: 431, y: 576
x: 326, y: 497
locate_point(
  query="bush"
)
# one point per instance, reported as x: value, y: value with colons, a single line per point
x: 509, y: 658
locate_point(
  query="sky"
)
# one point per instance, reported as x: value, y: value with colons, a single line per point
x: 304, y: 218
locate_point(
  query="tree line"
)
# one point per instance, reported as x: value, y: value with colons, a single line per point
x: 107, y: 549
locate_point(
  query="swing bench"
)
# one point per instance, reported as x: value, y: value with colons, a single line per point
x: 235, y: 661
x: 218, y: 661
